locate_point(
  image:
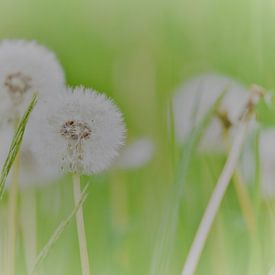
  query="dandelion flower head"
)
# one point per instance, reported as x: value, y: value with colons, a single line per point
x: 192, y: 101
x: 26, y: 68
x: 78, y: 131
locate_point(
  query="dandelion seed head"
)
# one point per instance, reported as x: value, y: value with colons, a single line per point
x: 136, y: 154
x: 192, y: 101
x: 31, y: 173
x: 26, y: 68
x: 82, y: 131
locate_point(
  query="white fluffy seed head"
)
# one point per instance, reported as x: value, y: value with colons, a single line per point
x: 31, y: 172
x: 26, y: 68
x: 192, y: 101
x: 136, y: 154
x: 78, y: 131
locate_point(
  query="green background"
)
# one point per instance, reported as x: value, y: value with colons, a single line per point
x: 139, y: 52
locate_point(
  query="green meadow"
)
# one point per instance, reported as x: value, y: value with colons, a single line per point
x: 142, y: 221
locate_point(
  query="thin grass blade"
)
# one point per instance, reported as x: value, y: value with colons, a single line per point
x: 59, y: 230
x: 15, y: 145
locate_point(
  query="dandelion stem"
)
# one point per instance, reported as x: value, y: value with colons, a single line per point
x: 28, y: 222
x: 81, y: 227
x: 215, y: 200
x: 243, y: 197
x: 58, y: 232
x: 12, y: 219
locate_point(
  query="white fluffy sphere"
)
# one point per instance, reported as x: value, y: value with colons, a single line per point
x: 26, y: 68
x: 193, y: 100
x: 31, y: 172
x: 78, y: 131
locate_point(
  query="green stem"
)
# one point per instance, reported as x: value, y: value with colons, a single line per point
x: 28, y: 222
x: 215, y: 201
x: 58, y: 232
x: 81, y: 227
x: 12, y: 219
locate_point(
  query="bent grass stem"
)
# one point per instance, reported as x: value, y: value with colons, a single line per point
x: 216, y: 199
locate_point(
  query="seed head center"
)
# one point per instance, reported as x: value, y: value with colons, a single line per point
x: 224, y: 118
x: 17, y: 83
x: 76, y: 130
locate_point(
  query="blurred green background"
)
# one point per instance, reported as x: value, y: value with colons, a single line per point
x: 138, y: 52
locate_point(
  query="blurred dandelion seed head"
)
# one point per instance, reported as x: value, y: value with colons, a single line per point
x: 26, y: 68
x: 17, y: 84
x: 192, y: 101
x: 31, y: 172
x: 136, y: 154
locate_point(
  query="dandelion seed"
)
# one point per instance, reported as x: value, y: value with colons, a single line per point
x: 136, y: 154
x: 26, y: 68
x: 192, y: 101
x: 77, y: 131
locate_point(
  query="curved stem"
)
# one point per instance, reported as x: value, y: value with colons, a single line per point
x: 81, y: 227
x: 215, y: 201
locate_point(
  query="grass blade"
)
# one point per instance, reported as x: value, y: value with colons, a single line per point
x: 15, y: 145
x: 59, y: 230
